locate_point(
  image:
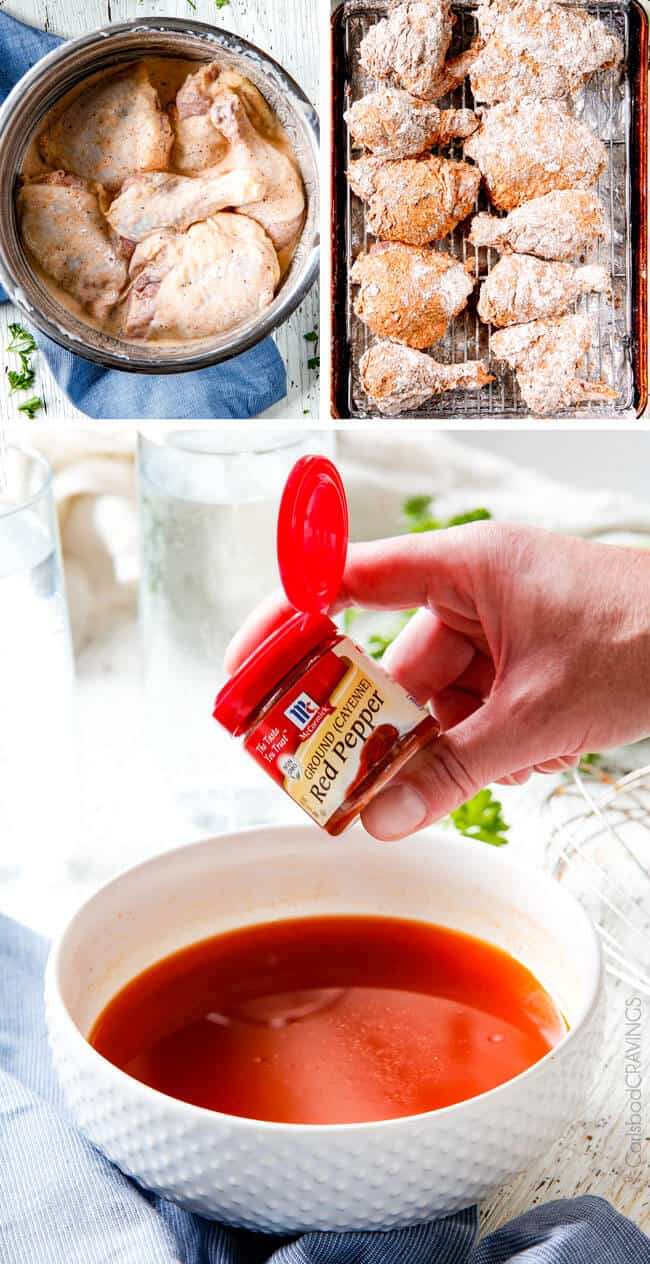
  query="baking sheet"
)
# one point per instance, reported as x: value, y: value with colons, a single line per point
x: 612, y: 104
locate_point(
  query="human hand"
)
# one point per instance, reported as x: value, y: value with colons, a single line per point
x: 531, y: 648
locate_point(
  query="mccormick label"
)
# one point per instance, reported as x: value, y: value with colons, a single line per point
x: 323, y: 736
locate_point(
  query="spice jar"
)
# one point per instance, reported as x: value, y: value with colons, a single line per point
x: 323, y: 720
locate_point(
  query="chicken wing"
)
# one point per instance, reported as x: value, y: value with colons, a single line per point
x: 394, y: 124
x: 63, y: 228
x: 536, y: 48
x: 409, y: 294
x: 527, y: 148
x: 111, y: 130
x: 546, y: 355
x: 197, y: 142
x: 157, y: 200
x: 555, y: 226
x: 397, y: 379
x: 415, y: 200
x: 281, y: 209
x: 410, y: 48
x: 217, y: 274
x: 521, y: 288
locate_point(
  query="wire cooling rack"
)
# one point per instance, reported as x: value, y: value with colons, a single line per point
x: 606, y: 106
x: 599, y: 847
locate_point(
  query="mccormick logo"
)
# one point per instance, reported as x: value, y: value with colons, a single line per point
x: 306, y: 714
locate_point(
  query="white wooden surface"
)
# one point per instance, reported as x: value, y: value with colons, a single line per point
x: 288, y: 29
x: 593, y: 1155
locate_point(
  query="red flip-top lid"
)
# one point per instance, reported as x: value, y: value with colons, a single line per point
x: 312, y: 538
x: 312, y: 541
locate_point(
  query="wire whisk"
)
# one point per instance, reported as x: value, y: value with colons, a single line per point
x: 599, y: 846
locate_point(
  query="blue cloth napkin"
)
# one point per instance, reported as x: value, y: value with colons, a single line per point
x: 61, y: 1202
x: 242, y: 387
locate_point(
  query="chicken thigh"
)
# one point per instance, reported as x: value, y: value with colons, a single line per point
x: 410, y: 48
x: 527, y: 148
x: 546, y: 355
x: 64, y: 229
x: 538, y: 48
x: 394, y: 124
x: 397, y: 379
x: 409, y: 294
x: 197, y: 143
x: 521, y: 288
x: 415, y: 200
x: 157, y: 200
x: 555, y: 226
x: 217, y: 274
x: 113, y: 129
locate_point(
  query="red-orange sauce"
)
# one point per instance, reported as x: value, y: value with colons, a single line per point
x: 330, y: 1020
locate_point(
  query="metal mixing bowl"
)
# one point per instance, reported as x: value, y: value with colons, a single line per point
x: 112, y: 47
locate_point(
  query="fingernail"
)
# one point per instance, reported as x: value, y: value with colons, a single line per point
x: 397, y: 811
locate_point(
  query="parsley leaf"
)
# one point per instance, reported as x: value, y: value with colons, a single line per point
x: 221, y: 4
x: 31, y: 406
x: 474, y: 515
x: 312, y: 337
x: 481, y: 817
x: 378, y: 644
x: 589, y: 760
x: 20, y: 381
x: 416, y: 512
x: 22, y: 342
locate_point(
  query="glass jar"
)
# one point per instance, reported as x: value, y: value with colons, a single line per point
x: 37, y: 780
x: 208, y: 502
x: 322, y: 719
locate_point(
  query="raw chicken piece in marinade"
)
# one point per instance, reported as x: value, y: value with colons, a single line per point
x: 64, y: 229
x: 223, y: 125
x: 220, y: 272
x: 158, y: 200
x: 111, y: 130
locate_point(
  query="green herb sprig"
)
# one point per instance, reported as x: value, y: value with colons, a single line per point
x: 312, y: 337
x: 31, y: 406
x: 482, y: 818
x: 23, y: 345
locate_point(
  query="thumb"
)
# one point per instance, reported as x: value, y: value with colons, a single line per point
x: 447, y: 772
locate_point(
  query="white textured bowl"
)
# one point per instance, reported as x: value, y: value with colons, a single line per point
x: 280, y: 1177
